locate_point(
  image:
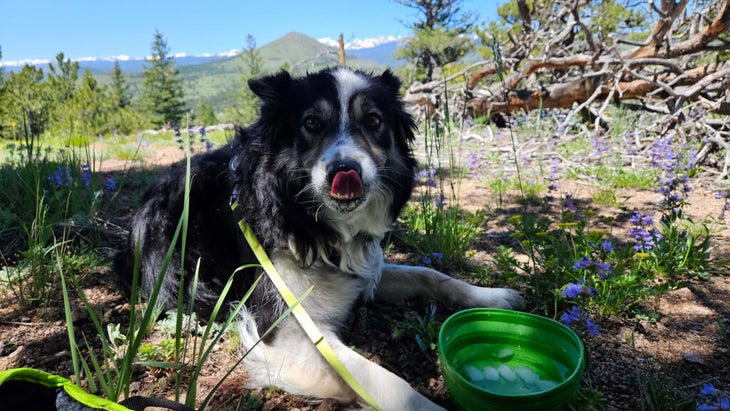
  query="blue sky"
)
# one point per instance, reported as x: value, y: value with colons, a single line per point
x: 39, y: 29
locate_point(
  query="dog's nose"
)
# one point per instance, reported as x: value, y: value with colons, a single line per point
x: 339, y: 166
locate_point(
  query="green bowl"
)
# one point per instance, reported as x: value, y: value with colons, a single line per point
x: 494, y: 359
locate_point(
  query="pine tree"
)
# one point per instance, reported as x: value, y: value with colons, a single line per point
x: 246, y: 102
x: 119, y: 88
x: 162, y: 92
x: 89, y: 106
x: 439, y: 36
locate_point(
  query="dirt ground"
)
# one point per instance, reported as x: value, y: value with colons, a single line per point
x: 689, y: 339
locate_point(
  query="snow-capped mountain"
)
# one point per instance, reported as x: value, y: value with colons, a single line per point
x: 359, y: 44
x: 125, y: 62
x: 377, y: 49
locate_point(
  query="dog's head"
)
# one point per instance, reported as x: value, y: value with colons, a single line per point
x: 342, y: 137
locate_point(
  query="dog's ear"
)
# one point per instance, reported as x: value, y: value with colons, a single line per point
x: 392, y: 82
x: 270, y: 88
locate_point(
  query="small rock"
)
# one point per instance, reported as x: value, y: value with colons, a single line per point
x: 13, y: 360
x: 328, y: 404
x: 693, y: 357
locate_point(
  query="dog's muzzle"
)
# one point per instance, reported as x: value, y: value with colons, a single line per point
x: 344, y: 178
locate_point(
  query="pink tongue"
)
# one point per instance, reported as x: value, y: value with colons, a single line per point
x: 346, y: 185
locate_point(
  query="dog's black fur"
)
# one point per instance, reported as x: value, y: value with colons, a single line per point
x: 320, y: 177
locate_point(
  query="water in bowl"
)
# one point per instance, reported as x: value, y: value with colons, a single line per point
x: 508, y: 370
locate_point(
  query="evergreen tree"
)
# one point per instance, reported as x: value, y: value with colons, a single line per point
x: 162, y: 92
x: 119, y: 88
x: 439, y: 35
x: 206, y: 115
x: 246, y: 102
x: 89, y: 107
x: 6, y: 124
x: 29, y: 109
x: 62, y: 78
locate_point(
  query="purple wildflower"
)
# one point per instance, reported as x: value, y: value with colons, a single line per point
x: 110, y: 184
x: 61, y: 177
x: 571, y: 315
x: 569, y: 204
x: 572, y: 290
x: 473, y: 165
x: 607, y: 246
x: 707, y: 389
x: 584, y: 262
x: 86, y: 175
x: 593, y: 328
x: 643, y: 232
x: 604, y: 269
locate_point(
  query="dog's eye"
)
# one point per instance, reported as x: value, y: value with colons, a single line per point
x: 372, y: 121
x: 312, y: 124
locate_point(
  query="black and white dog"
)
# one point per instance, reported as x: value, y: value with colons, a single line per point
x: 320, y: 176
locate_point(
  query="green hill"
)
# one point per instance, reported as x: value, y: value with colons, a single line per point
x: 214, y: 82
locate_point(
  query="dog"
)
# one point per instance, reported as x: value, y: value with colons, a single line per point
x: 320, y: 177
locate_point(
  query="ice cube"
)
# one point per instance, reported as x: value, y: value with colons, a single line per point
x: 507, y: 373
x: 527, y: 375
x: 544, y: 385
x: 491, y: 374
x: 505, y: 354
x: 475, y: 375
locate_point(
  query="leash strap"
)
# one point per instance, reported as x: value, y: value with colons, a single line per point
x: 313, y: 332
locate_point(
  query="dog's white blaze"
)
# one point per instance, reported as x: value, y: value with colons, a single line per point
x: 344, y: 147
x: 348, y: 83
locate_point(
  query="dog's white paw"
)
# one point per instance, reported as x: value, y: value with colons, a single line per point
x: 496, y: 298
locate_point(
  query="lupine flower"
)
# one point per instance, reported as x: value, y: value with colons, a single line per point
x: 574, y: 314
x: 707, y: 389
x: 584, y: 262
x: 427, y: 175
x: 86, y: 175
x: 607, y: 246
x: 569, y: 202
x: 593, y: 329
x: 604, y: 269
x: 439, y: 201
x: 178, y: 138
x: 600, y: 145
x: 571, y: 315
x: 643, y: 232
x: 61, y: 177
x: 724, y: 195
x: 572, y: 290
x: 473, y: 165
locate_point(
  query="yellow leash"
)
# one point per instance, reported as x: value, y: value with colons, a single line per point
x: 301, y: 314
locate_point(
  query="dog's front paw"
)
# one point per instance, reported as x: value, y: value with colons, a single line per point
x: 496, y: 298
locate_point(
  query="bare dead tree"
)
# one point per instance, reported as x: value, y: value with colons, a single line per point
x: 558, y: 61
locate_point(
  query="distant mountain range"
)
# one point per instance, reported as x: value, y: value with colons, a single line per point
x: 378, y: 50
x: 214, y: 79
